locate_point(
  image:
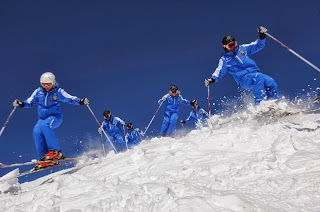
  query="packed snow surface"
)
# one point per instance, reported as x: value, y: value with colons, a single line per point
x: 247, y: 161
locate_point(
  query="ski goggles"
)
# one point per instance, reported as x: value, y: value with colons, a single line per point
x: 129, y: 126
x: 44, y: 84
x: 173, y: 91
x: 230, y: 46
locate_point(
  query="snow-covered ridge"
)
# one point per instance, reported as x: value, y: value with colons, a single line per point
x: 244, y: 162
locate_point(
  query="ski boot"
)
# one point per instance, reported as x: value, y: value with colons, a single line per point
x: 53, y: 155
x: 50, y: 159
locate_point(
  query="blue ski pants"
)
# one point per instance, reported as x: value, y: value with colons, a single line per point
x: 44, y: 135
x: 169, y: 123
x: 117, y: 141
x: 134, y: 142
x: 264, y: 87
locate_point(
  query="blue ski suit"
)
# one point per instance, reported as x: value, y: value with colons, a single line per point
x: 114, y: 130
x: 49, y: 116
x: 171, y: 113
x: 198, y: 116
x: 245, y: 71
x: 133, y: 137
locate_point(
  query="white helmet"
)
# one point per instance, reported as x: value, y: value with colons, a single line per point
x: 48, y: 77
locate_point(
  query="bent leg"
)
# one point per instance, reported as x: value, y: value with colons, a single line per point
x: 264, y: 87
x: 256, y: 82
x: 134, y: 141
x: 47, y: 127
x: 259, y: 90
x: 271, y: 87
x: 108, y: 145
x: 121, y: 144
x: 165, y: 124
x: 172, y: 123
x: 41, y: 145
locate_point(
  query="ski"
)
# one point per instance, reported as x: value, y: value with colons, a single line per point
x: 2, y: 165
x: 278, y: 112
x: 62, y: 163
x: 43, y: 169
x: 299, y: 112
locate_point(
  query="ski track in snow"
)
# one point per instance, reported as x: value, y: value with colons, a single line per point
x: 239, y: 163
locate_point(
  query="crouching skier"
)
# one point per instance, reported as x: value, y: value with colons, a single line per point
x: 243, y: 69
x: 197, y: 115
x: 114, y: 127
x: 49, y: 97
x: 133, y: 136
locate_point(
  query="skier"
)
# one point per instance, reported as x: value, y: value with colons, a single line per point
x: 173, y: 100
x: 114, y: 127
x: 133, y: 136
x: 197, y: 115
x: 49, y: 97
x: 243, y: 69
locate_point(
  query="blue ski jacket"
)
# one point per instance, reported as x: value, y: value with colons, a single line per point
x: 173, y: 102
x: 133, y: 137
x: 238, y: 63
x: 197, y: 116
x: 113, y: 126
x: 49, y: 103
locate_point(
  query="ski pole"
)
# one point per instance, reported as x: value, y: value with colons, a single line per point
x: 152, y: 118
x: 104, y: 132
x: 5, y: 123
x: 102, y: 142
x: 209, y: 108
x: 295, y: 53
x: 125, y: 137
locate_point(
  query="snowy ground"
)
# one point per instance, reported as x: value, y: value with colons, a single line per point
x: 243, y: 162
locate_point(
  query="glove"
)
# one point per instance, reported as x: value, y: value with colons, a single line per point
x: 84, y: 101
x: 182, y: 122
x: 262, y: 32
x: 209, y: 81
x: 100, y: 130
x: 164, y: 98
x: 139, y: 131
x: 17, y: 103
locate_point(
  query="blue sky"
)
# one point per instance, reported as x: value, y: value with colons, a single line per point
x: 124, y: 55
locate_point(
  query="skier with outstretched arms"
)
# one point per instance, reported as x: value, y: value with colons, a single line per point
x: 48, y: 97
x: 243, y: 69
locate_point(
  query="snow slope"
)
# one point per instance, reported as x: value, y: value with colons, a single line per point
x: 243, y: 162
